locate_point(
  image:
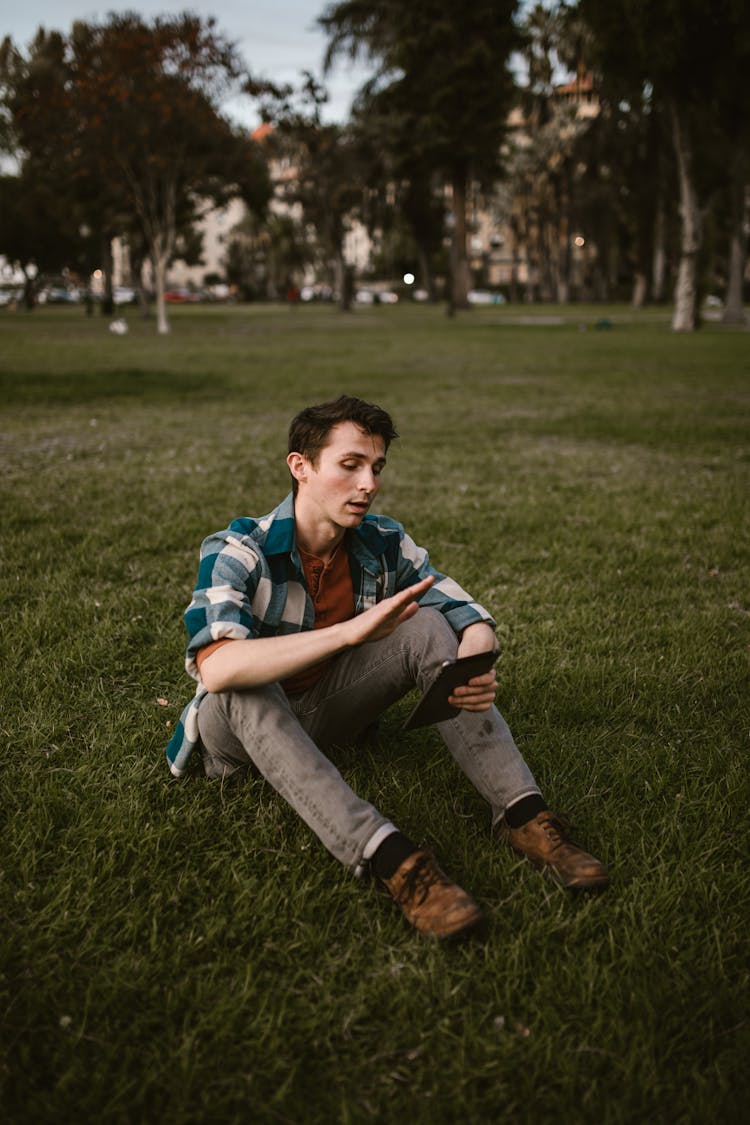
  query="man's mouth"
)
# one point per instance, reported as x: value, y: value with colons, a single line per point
x: 359, y: 506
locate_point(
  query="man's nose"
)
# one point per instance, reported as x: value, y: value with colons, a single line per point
x: 368, y: 482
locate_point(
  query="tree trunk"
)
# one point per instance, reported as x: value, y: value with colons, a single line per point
x: 563, y: 271
x: 640, y: 286
x: 460, y: 281
x: 342, y: 273
x: 547, y: 287
x: 562, y: 254
x: 532, y: 268
x: 159, y: 263
x: 659, y: 262
x: 108, y: 299
x: 684, y: 318
x: 734, y: 311
x: 426, y: 274
x: 136, y: 280
x: 29, y: 294
x: 553, y: 257
x: 514, y: 258
x: 158, y: 225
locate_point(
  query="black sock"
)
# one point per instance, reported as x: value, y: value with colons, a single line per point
x: 391, y: 854
x: 521, y: 812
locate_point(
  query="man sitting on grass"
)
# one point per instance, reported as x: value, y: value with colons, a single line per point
x: 306, y: 624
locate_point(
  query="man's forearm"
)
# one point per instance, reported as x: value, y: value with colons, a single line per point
x: 263, y: 660
x: 479, y: 693
x: 479, y: 637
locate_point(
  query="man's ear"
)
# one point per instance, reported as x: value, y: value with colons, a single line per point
x: 298, y: 466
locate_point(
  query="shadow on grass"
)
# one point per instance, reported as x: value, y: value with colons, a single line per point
x: 155, y: 386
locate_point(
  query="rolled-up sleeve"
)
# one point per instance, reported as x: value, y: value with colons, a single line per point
x: 445, y: 595
x: 221, y: 605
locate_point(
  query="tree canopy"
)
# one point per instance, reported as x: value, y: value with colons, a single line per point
x: 694, y: 58
x: 126, y: 115
x: 442, y: 88
x: 118, y: 131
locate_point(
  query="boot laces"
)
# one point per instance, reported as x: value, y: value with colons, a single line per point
x: 420, y: 880
x: 554, y: 829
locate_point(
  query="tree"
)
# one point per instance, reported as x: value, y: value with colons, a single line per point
x: 619, y: 208
x: 36, y: 92
x: 404, y: 207
x: 146, y: 99
x: 37, y: 235
x: 688, y: 52
x: 443, y: 82
x: 734, y: 311
x: 575, y: 167
x: 329, y: 183
x: 265, y: 257
x: 733, y: 104
x: 126, y: 113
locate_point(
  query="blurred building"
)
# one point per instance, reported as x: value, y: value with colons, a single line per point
x: 522, y: 236
x: 219, y: 227
x: 519, y: 238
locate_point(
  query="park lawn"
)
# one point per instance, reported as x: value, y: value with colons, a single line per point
x: 180, y: 952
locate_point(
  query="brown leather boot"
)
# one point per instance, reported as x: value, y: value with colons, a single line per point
x: 433, y: 904
x: 543, y: 841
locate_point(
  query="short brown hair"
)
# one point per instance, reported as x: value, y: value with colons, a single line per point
x: 309, y: 430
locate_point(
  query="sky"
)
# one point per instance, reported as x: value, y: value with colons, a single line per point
x: 277, y: 38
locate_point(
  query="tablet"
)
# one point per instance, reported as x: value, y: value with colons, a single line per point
x: 434, y: 707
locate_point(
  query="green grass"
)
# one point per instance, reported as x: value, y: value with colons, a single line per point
x: 178, y: 952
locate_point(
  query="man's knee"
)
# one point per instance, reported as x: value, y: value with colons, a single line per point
x: 216, y: 719
x: 217, y: 768
x: 435, y: 626
x: 223, y: 755
x: 229, y: 723
x: 431, y: 636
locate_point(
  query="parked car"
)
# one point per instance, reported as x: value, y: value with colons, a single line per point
x: 484, y: 297
x: 57, y: 295
x: 376, y: 297
x: 181, y: 296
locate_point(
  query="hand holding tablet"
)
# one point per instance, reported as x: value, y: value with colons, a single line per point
x: 434, y: 707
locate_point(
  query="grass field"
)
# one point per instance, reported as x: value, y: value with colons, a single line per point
x: 181, y: 952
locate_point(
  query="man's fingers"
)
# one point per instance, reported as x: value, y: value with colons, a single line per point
x: 485, y: 678
x: 407, y: 612
x: 398, y: 604
x: 477, y: 695
x: 459, y: 700
x: 479, y: 685
x: 381, y: 619
x: 411, y: 593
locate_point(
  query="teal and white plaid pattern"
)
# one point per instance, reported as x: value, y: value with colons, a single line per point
x: 251, y: 584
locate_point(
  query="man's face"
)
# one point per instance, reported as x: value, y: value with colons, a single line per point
x: 342, y: 484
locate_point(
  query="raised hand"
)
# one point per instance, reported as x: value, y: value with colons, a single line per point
x: 380, y: 620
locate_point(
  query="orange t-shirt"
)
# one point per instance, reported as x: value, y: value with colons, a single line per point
x: 332, y: 592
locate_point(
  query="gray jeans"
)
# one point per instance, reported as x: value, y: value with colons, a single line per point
x: 282, y: 737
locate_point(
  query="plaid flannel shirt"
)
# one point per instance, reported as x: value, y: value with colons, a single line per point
x: 251, y: 584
